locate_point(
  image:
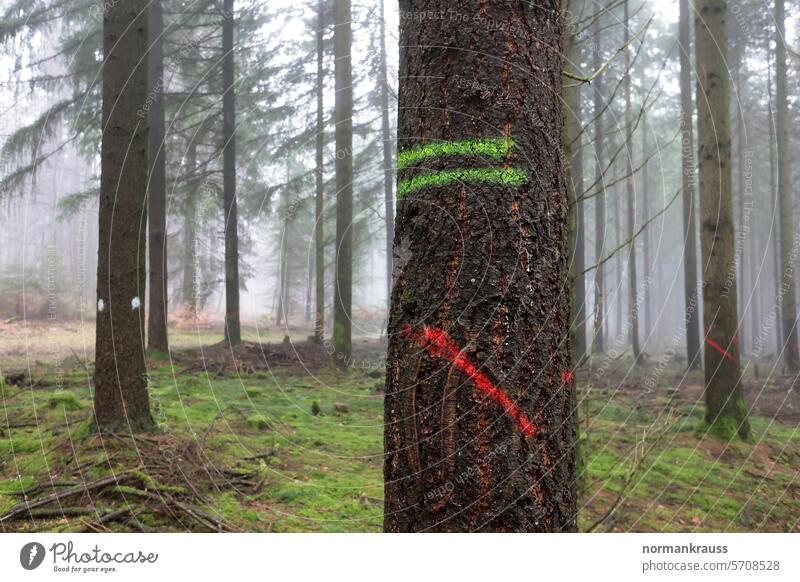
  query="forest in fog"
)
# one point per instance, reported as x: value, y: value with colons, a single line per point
x: 364, y: 265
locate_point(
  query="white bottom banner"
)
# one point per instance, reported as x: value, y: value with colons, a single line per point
x: 378, y: 558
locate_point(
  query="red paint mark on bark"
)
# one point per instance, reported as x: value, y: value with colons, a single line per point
x: 719, y: 348
x: 439, y: 345
x: 567, y: 377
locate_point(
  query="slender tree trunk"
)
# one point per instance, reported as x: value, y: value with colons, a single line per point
x: 788, y: 252
x: 319, y: 202
x: 233, y: 331
x: 648, y: 261
x: 691, y: 287
x: 280, y: 316
x: 343, y: 293
x: 633, y: 284
x: 309, y: 285
x: 600, y: 199
x: 574, y: 180
x: 479, y: 431
x: 775, y: 223
x: 726, y: 412
x: 121, y: 401
x: 157, y: 187
x: 388, y: 163
x: 189, y: 281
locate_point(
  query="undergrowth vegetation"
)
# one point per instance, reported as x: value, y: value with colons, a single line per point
x: 259, y: 448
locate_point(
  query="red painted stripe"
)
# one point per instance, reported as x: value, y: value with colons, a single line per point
x: 719, y: 348
x: 438, y: 344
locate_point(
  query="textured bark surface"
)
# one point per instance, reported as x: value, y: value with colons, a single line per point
x: 233, y: 332
x: 479, y: 429
x: 726, y: 412
x: 319, y: 192
x: 120, y: 400
x: 157, y: 187
x: 788, y: 243
x: 598, y: 334
x: 343, y: 291
x: 691, y: 288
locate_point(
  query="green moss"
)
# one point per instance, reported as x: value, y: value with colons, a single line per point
x: 408, y: 295
x: 730, y: 423
x: 505, y: 176
x: 257, y: 422
x: 326, y: 475
x: 66, y: 399
x: 253, y: 392
x: 495, y: 148
x: 16, y: 485
x: 192, y: 383
x: 338, y: 334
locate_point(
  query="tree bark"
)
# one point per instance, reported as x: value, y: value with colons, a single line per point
x: 479, y: 431
x: 121, y: 401
x: 787, y: 240
x: 233, y: 331
x: 691, y: 287
x: 343, y: 292
x: 319, y: 201
x: 157, y: 187
x: 726, y: 412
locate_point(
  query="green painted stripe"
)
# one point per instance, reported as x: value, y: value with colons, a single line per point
x: 508, y: 176
x: 495, y: 148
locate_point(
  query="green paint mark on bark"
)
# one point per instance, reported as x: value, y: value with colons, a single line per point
x: 495, y: 148
x: 506, y: 176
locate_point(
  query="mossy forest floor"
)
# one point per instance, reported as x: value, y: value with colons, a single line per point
x: 239, y: 448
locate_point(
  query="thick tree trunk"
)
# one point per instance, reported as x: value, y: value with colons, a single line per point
x: 633, y: 285
x: 479, y: 421
x: 343, y: 292
x: 691, y: 289
x: 121, y: 401
x: 788, y: 253
x: 600, y: 199
x: 233, y: 332
x: 726, y: 412
x: 157, y: 187
x: 388, y: 163
x: 319, y: 202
